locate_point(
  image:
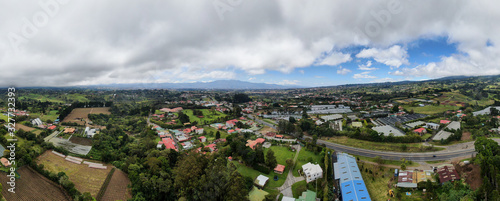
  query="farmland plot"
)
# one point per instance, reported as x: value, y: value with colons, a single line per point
x: 33, y: 186
x: 86, y: 179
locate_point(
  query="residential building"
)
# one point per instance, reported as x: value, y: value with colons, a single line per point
x: 261, y: 181
x: 5, y: 162
x: 447, y: 173
x: 202, y: 139
x: 420, y: 131
x: 432, y: 126
x: 336, y: 125
x: 312, y: 172
x: 279, y: 169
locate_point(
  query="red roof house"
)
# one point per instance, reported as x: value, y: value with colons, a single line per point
x: 420, y: 131
x: 279, y: 169
x: 444, y: 121
x: 169, y: 143
x: 52, y: 127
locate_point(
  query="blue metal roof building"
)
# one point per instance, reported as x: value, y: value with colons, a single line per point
x: 349, y: 177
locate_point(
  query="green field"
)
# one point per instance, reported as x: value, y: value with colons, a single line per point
x: 430, y: 109
x: 207, y: 116
x: 386, y: 162
x: 257, y: 194
x: 57, y: 99
x: 281, y: 154
x: 252, y: 173
x: 298, y: 188
x: 270, y: 121
x: 52, y: 115
x: 208, y: 129
x: 5, y: 118
x: 380, y: 146
x: 376, y: 184
x: 303, y: 158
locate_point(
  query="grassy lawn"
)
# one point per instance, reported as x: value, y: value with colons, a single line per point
x: 207, y: 115
x: 380, y: 146
x: 19, y: 141
x: 208, y: 129
x: 257, y: 194
x: 430, y: 109
x: 434, y: 162
x: 426, y: 136
x: 5, y: 118
x: 305, y: 157
x: 252, y: 173
x: 52, y: 115
x: 377, y: 181
x: 298, y: 188
x: 270, y: 121
x: 386, y: 162
x: 281, y: 154
x: 157, y: 139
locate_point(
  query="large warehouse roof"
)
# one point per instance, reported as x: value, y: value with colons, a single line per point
x: 351, y: 182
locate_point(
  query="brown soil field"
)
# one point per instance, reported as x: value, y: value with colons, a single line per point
x: 32, y: 186
x: 267, y: 129
x: 23, y: 127
x: 85, y: 179
x: 471, y: 173
x: 465, y: 136
x: 81, y: 140
x: 78, y: 114
x: 117, y: 187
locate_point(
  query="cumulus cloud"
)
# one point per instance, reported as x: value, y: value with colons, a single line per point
x: 289, y: 82
x: 363, y: 75
x: 343, y: 71
x: 122, y: 41
x: 366, y: 66
x: 394, y: 56
x: 335, y: 58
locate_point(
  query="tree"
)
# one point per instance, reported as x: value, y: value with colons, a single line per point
x: 395, y: 109
x: 292, y: 120
x: 271, y: 159
x: 217, y: 135
x: 289, y: 162
x: 236, y: 189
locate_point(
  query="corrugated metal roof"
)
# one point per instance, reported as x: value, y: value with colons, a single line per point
x: 351, y: 182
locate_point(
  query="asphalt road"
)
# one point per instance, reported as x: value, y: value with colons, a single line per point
x: 260, y: 121
x: 424, y: 156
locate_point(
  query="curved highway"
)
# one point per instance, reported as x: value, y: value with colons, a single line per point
x: 422, y: 156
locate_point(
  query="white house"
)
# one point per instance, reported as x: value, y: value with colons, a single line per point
x: 312, y: 172
x: 90, y: 132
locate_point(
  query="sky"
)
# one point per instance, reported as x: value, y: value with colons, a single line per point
x: 289, y: 42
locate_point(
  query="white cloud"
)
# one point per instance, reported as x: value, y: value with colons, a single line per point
x: 386, y: 79
x: 367, y: 66
x: 252, y: 78
x: 336, y: 58
x: 118, y: 43
x: 301, y: 72
x: 289, y: 82
x: 363, y: 75
x: 394, y: 56
x: 343, y: 71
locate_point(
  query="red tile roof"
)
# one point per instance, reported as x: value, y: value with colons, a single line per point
x: 169, y: 143
x: 279, y: 168
x: 444, y: 121
x: 419, y: 130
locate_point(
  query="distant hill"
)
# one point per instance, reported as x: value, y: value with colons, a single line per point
x: 219, y: 84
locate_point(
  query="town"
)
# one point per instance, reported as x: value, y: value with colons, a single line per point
x: 428, y: 140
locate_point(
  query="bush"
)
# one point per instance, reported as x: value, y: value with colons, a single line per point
x: 261, y: 168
